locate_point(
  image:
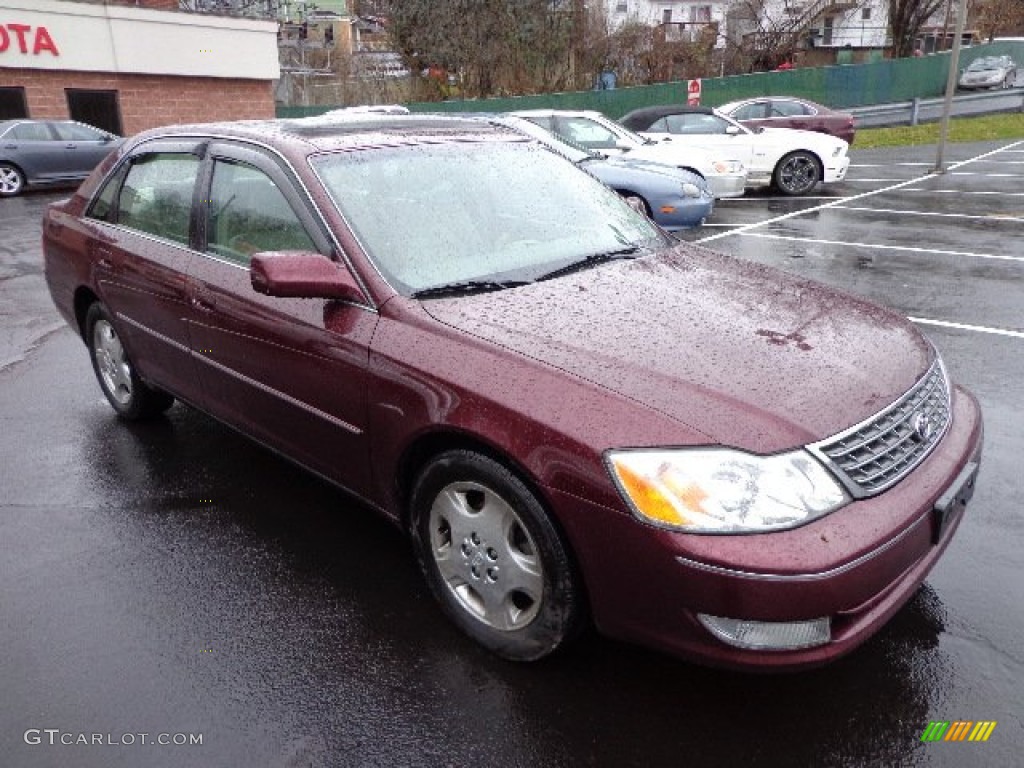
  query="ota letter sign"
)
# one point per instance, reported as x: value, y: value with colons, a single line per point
x: 25, y: 38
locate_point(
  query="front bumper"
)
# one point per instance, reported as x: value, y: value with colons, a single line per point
x: 835, y: 169
x: 857, y: 566
x: 686, y: 213
x: 727, y: 185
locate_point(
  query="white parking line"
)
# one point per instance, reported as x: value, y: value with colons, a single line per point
x: 964, y: 192
x: 988, y: 175
x: 887, y: 165
x: 763, y: 198
x: 861, y: 196
x: 880, y: 247
x: 967, y: 327
x: 901, y: 212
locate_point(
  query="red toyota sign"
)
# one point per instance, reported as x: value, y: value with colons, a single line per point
x: 26, y: 36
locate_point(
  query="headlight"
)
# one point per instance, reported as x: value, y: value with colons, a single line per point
x: 716, y: 490
x: 690, y: 190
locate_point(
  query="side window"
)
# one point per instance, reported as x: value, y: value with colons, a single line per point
x: 754, y: 111
x: 249, y: 214
x: 788, y: 109
x: 157, y: 195
x: 77, y: 132
x: 696, y: 122
x: 544, y: 121
x: 102, y: 207
x: 31, y: 132
x: 588, y: 133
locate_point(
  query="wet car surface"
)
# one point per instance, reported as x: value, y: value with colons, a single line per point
x: 177, y: 578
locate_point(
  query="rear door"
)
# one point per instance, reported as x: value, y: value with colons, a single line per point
x: 142, y: 230
x: 290, y: 372
x: 84, y: 147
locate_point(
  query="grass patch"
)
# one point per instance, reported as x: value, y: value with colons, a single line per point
x: 986, y: 128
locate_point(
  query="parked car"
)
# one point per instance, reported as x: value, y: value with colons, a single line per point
x: 988, y: 72
x: 573, y: 415
x: 789, y: 112
x: 41, y: 152
x: 791, y: 161
x: 727, y: 177
x: 674, y: 198
x: 372, y: 109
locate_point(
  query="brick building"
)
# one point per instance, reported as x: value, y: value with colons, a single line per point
x: 125, y: 67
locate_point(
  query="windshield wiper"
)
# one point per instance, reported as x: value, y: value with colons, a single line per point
x: 466, y: 287
x: 589, y: 261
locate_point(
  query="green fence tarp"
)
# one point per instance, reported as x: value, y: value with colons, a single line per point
x: 855, y: 85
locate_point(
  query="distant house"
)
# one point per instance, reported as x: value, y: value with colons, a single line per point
x: 803, y: 24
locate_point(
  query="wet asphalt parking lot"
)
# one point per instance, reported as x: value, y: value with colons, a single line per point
x: 176, y: 580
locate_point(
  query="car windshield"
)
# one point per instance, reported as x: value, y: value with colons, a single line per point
x: 988, y: 62
x: 484, y: 215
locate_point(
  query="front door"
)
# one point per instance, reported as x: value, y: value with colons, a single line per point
x: 292, y: 373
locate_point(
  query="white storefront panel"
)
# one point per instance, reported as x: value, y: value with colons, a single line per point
x: 55, y: 35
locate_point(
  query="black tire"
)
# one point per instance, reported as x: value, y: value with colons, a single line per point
x: 125, y: 391
x: 637, y: 203
x: 493, y: 558
x: 12, y: 180
x: 797, y: 173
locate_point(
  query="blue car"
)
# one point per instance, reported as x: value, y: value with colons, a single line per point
x: 675, y: 199
x: 41, y: 152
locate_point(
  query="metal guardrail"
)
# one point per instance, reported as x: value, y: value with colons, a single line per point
x: 929, y: 110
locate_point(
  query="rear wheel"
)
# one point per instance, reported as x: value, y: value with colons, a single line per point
x: 797, y: 173
x: 492, y: 557
x: 12, y: 181
x: 125, y: 391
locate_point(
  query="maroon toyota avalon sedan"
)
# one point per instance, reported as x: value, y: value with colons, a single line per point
x: 577, y: 419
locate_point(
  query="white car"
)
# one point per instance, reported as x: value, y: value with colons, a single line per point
x: 726, y: 176
x: 793, y: 161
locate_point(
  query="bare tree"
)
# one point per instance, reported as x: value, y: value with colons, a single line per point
x: 906, y: 18
x: 763, y: 35
x: 998, y: 17
x: 494, y: 46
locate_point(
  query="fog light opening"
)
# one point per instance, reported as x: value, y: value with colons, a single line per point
x: 769, y: 635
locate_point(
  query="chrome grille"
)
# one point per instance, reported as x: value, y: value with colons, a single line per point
x: 878, y: 453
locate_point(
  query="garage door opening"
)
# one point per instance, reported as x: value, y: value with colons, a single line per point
x: 12, y: 103
x: 98, y: 108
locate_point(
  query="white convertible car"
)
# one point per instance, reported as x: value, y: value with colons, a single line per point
x: 726, y: 176
x: 793, y: 161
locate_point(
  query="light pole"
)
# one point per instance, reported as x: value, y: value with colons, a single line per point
x: 954, y: 70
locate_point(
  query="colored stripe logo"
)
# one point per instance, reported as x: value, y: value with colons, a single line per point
x: 958, y: 730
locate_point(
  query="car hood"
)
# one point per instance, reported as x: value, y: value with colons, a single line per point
x: 745, y: 355
x: 648, y: 166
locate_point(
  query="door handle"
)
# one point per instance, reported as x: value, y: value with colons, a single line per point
x: 202, y: 300
x: 104, y: 258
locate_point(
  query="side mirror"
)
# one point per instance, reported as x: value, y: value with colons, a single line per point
x: 302, y: 275
x: 733, y: 130
x: 622, y: 145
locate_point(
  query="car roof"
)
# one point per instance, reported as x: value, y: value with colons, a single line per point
x: 564, y: 112
x: 325, y: 132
